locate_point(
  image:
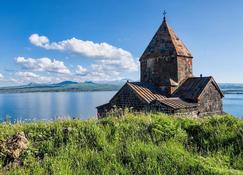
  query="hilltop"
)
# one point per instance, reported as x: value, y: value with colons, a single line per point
x: 135, y: 144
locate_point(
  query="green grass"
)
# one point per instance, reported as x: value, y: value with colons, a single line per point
x: 144, y: 144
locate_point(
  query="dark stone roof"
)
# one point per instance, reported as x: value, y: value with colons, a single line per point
x: 184, y: 97
x: 192, y: 87
x: 165, y: 43
x: 151, y: 94
x: 146, y: 91
x: 105, y: 106
x: 176, y: 103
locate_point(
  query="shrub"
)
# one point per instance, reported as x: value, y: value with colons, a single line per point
x: 134, y: 144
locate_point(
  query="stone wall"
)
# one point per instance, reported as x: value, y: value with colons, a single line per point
x: 159, y: 71
x: 118, y: 111
x: 185, y: 112
x: 126, y: 98
x: 184, y: 68
x: 210, y: 101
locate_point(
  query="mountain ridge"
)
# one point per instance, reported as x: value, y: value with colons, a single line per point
x: 64, y: 86
x: 73, y: 86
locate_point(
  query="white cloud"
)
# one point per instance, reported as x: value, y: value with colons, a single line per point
x: 38, y: 40
x: 1, y: 76
x: 104, y: 53
x: 109, y: 62
x: 29, y: 77
x: 27, y: 74
x: 42, y: 64
x: 97, y: 72
x: 81, y: 70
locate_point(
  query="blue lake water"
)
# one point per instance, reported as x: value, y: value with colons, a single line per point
x: 233, y: 104
x: 49, y: 106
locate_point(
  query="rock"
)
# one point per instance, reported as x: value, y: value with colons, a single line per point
x: 13, y: 147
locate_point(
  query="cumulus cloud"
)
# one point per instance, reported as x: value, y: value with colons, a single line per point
x: 104, y: 53
x: 81, y: 70
x: 1, y: 76
x: 26, y: 74
x: 24, y: 77
x: 97, y: 72
x: 38, y: 40
x: 42, y: 64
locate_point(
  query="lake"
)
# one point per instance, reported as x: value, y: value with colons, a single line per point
x: 49, y: 106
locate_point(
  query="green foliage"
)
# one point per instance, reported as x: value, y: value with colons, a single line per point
x: 134, y: 144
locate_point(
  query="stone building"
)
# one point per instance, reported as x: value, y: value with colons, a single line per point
x: 167, y: 83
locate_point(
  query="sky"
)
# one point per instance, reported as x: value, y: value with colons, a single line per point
x: 48, y: 41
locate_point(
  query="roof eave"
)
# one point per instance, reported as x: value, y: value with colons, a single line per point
x: 187, y: 56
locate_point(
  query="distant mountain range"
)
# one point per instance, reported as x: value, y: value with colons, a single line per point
x: 63, y: 86
x: 231, y: 88
x: 72, y: 86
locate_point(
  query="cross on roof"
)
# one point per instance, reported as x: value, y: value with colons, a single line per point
x: 164, y: 14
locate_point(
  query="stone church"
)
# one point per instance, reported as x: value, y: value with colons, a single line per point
x: 167, y: 83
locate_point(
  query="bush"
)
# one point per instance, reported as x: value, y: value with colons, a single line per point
x: 134, y: 144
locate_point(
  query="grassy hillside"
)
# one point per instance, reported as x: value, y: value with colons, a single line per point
x: 151, y: 144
